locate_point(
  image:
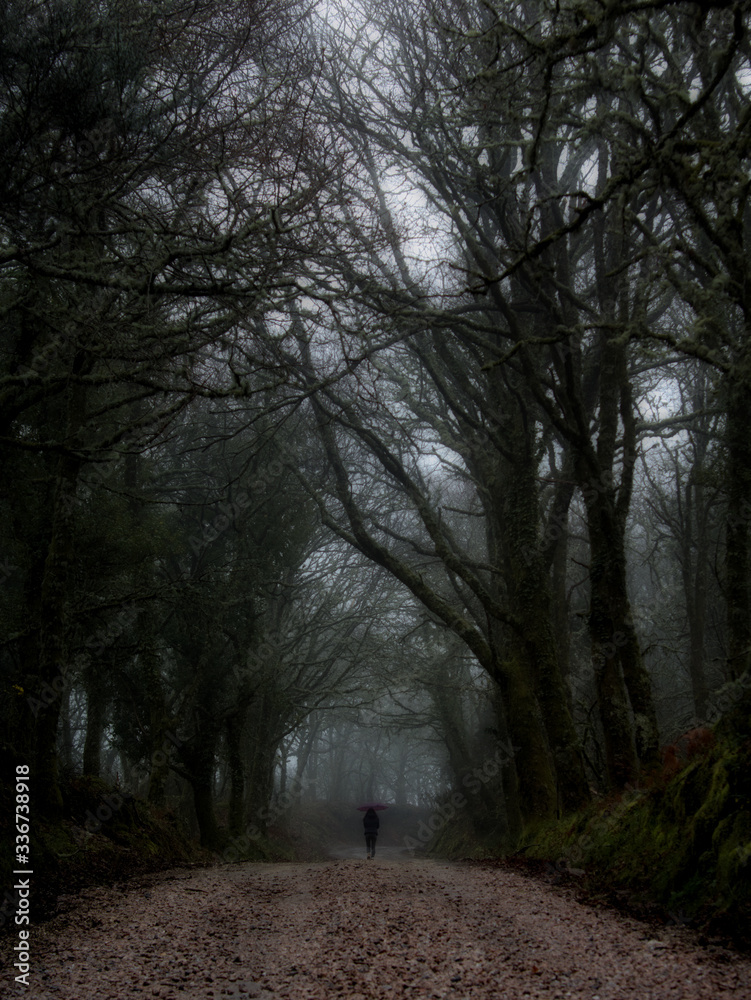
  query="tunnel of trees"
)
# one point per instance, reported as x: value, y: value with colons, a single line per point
x: 375, y: 385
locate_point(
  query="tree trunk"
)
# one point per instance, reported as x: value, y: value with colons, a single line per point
x: 159, y: 721
x: 284, y: 757
x: 697, y: 628
x: 738, y: 442
x: 235, y: 727
x: 21, y: 735
x: 158, y: 774
x: 534, y: 766
x: 400, y: 784
x: 260, y: 765
x: 203, y: 803
x: 513, y: 823
x: 311, y: 790
x: 96, y: 707
x: 66, y: 733
x: 303, y: 753
x: 531, y: 645
x: 694, y: 564
x: 613, y: 645
x: 620, y: 754
x: 199, y: 757
x: 52, y: 672
x: 560, y: 608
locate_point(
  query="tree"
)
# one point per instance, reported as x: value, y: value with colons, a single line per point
x: 150, y: 158
x: 542, y: 148
x: 485, y: 362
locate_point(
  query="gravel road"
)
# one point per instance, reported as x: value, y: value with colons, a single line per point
x: 351, y: 928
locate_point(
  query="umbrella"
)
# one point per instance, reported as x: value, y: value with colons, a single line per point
x: 371, y: 805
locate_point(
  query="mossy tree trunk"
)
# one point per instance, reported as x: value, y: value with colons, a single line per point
x: 513, y: 818
x: 530, y: 655
x: 623, y: 686
x: 534, y: 764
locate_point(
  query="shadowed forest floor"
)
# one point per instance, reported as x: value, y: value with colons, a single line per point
x: 388, y: 927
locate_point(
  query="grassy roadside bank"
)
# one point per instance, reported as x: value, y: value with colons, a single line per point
x: 677, y: 849
x: 681, y: 845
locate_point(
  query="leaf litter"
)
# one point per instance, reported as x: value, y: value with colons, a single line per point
x: 360, y: 930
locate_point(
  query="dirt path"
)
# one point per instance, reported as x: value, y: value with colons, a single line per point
x: 358, y: 929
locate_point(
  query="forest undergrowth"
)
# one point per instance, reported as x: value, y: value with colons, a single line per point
x: 106, y: 837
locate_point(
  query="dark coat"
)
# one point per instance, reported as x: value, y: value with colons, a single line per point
x: 371, y: 823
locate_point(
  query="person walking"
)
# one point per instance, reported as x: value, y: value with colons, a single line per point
x: 371, y: 823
